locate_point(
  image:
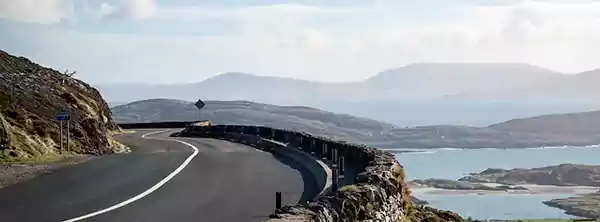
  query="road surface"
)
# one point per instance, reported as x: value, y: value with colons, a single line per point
x: 162, y: 180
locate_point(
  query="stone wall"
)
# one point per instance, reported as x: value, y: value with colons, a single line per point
x: 373, y: 188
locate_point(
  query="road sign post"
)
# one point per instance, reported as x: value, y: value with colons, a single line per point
x: 62, y: 117
x: 199, y: 104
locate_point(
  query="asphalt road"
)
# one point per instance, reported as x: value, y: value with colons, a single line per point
x: 223, y: 181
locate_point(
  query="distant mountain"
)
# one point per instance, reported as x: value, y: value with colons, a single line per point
x: 530, y: 132
x: 567, y: 89
x: 432, y: 80
x: 412, y: 82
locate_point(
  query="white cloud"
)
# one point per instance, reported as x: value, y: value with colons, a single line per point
x: 36, y: 11
x: 134, y: 9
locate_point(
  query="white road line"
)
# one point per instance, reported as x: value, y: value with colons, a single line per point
x: 151, y: 189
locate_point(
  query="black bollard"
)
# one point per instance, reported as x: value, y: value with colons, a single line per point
x: 277, y: 200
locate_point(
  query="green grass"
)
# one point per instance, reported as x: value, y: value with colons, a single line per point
x: 350, y: 188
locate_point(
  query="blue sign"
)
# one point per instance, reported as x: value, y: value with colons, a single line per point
x: 63, y: 116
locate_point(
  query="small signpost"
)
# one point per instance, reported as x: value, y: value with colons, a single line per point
x: 199, y: 104
x: 62, y: 117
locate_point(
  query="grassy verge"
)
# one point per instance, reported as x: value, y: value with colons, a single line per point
x: 44, y: 159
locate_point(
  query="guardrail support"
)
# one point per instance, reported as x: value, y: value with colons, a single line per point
x: 341, y: 166
x: 324, y: 151
x: 335, y: 182
x: 277, y: 200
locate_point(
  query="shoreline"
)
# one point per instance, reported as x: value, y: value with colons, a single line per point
x: 533, y: 189
x: 433, y: 150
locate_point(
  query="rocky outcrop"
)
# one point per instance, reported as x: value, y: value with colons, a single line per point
x: 30, y: 98
x: 587, y: 205
x: 375, y: 191
x: 557, y: 175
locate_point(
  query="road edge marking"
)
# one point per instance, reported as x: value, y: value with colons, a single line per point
x: 151, y: 189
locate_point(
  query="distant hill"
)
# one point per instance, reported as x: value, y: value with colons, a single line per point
x: 531, y: 132
x: 577, y: 124
x: 305, y: 119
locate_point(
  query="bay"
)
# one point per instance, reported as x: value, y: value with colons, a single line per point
x: 455, y: 163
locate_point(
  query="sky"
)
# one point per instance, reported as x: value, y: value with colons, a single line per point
x: 160, y: 41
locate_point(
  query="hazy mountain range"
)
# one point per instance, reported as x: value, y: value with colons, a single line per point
x: 553, y: 130
x: 417, y: 94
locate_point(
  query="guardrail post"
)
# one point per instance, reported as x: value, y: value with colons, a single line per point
x: 272, y: 134
x: 277, y: 200
x: 324, y: 151
x: 258, y: 131
x: 341, y: 166
x: 334, y: 155
x: 335, y: 182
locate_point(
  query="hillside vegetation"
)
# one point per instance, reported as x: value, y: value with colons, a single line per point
x: 30, y: 98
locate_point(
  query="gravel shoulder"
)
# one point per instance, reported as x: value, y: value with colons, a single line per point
x: 13, y: 173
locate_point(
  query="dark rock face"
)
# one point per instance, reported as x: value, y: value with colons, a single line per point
x: 377, y: 193
x: 30, y: 98
x: 558, y: 175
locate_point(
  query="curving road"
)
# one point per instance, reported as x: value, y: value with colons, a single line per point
x: 191, y: 179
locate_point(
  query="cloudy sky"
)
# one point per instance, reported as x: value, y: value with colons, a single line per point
x: 162, y: 41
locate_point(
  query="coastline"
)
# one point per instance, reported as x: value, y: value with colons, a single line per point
x: 433, y: 150
x: 533, y: 189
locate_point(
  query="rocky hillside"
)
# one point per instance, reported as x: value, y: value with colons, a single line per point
x: 558, y: 175
x: 30, y: 98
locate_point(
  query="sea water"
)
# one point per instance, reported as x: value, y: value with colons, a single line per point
x: 455, y: 163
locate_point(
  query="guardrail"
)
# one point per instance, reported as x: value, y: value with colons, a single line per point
x: 155, y: 125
